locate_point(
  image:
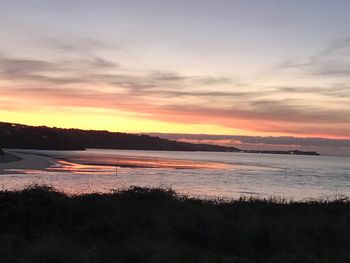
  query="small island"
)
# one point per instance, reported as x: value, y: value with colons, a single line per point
x: 292, y: 152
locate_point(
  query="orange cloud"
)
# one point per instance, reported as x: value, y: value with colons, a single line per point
x: 78, y: 91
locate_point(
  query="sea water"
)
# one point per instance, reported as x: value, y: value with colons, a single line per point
x: 200, y: 174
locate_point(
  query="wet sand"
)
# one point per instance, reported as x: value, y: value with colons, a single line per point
x: 14, y: 160
x: 9, y: 157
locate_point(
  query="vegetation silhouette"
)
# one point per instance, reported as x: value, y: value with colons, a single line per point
x: 39, y: 224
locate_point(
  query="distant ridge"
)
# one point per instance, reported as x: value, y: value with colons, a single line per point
x: 21, y: 136
x: 292, y: 152
x: 42, y: 137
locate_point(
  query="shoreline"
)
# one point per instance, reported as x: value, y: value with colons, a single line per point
x: 13, y: 160
x: 9, y: 157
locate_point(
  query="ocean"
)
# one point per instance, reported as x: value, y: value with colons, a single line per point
x: 200, y: 174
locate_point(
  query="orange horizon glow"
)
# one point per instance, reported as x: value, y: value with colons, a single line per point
x: 131, y: 123
x: 102, y: 110
x: 228, y: 72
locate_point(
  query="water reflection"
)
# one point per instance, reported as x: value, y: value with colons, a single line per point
x: 83, y: 162
x: 201, y: 174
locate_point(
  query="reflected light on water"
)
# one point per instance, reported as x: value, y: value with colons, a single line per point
x: 224, y: 175
x: 82, y: 163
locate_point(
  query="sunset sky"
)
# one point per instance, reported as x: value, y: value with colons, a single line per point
x: 260, y: 68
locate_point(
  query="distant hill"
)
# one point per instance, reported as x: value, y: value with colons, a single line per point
x: 30, y: 137
x: 293, y: 152
x: 1, y: 152
x: 46, y: 138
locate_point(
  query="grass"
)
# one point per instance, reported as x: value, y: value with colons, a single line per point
x: 39, y: 224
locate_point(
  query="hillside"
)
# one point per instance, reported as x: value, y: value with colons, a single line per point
x: 30, y: 137
x: 45, y: 138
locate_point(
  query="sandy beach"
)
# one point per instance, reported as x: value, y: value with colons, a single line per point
x: 14, y: 160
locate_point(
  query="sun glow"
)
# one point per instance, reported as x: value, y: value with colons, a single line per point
x: 117, y: 121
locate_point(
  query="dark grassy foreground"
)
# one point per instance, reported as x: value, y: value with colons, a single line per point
x: 152, y: 225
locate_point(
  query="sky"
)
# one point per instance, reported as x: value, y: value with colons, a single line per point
x: 235, y: 67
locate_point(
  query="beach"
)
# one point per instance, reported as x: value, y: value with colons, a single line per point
x: 8, y: 158
x: 71, y: 206
x: 17, y: 161
x: 200, y: 174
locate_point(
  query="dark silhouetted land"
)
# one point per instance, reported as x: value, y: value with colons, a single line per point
x: 154, y: 225
x: 294, y: 152
x: 30, y: 137
x: 45, y: 138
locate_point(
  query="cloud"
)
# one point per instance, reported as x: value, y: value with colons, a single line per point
x: 332, y: 61
x: 337, y: 91
x: 264, y: 117
x: 20, y: 67
x: 94, y: 81
x: 78, y: 45
x: 97, y: 69
x: 52, y: 72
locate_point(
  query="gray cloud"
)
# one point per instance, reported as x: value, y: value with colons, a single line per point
x: 52, y: 72
x: 93, y: 69
x: 282, y: 110
x: 18, y: 67
x: 332, y: 61
x: 337, y: 91
x: 78, y: 45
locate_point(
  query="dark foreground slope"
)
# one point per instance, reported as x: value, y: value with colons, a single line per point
x: 145, y: 225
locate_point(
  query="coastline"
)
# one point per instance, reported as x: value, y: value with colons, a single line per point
x: 296, y: 177
x: 9, y: 157
x: 15, y: 160
x: 77, y: 139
